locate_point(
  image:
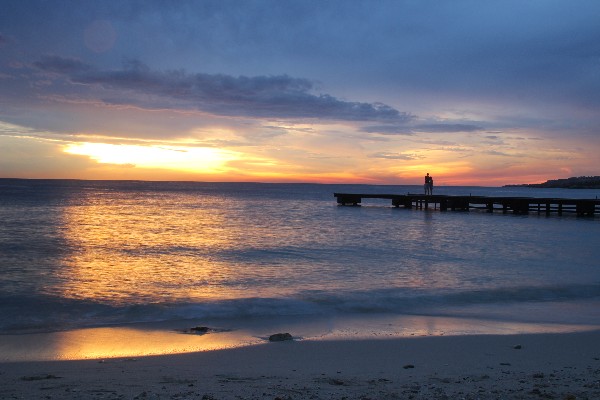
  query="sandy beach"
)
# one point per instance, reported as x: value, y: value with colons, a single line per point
x: 533, y: 366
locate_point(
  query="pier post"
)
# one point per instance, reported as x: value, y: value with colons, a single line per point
x: 519, y: 206
x: 349, y: 199
x: 585, y: 208
x: 443, y: 205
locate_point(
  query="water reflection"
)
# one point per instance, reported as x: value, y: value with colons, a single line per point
x: 132, y: 250
x: 32, y: 244
x: 105, y: 343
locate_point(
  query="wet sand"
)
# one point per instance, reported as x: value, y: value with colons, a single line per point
x: 532, y: 366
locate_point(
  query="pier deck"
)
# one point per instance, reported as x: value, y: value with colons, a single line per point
x: 516, y: 205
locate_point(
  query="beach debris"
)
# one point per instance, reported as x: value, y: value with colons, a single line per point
x: 280, y: 337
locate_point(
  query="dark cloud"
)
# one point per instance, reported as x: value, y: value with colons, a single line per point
x: 408, y: 129
x: 260, y: 96
x: 449, y: 128
x: 62, y: 65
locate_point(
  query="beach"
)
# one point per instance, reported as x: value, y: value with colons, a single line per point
x: 532, y: 366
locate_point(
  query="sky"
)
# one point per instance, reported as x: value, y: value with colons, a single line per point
x: 474, y: 92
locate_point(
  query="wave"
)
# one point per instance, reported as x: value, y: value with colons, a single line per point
x: 26, y: 314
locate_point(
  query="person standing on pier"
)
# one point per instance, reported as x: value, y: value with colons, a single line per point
x: 428, y: 184
x: 431, y: 185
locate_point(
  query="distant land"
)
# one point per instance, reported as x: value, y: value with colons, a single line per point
x: 578, y: 182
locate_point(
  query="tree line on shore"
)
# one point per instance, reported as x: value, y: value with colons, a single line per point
x: 576, y: 182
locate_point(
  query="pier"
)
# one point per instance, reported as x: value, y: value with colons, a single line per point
x: 516, y: 205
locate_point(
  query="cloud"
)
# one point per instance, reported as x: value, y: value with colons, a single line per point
x: 407, y: 129
x: 279, y: 96
x: 501, y: 153
x: 447, y: 128
x: 63, y: 65
x: 389, y: 129
x: 395, y: 156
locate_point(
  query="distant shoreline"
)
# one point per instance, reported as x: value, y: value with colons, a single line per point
x: 580, y: 182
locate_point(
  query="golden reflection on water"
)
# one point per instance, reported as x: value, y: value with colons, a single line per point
x: 138, y: 250
x: 104, y: 343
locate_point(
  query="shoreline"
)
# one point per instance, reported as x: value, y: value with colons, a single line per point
x: 523, y: 366
x: 177, y: 337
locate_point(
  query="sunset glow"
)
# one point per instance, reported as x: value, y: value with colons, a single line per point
x: 217, y: 96
x: 190, y: 159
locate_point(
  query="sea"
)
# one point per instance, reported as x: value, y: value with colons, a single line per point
x: 99, y: 257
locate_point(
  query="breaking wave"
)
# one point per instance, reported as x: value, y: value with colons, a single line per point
x: 20, y: 314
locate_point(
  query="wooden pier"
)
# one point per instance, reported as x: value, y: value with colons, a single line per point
x: 516, y: 205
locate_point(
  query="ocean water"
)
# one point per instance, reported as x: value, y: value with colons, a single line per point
x: 79, y: 254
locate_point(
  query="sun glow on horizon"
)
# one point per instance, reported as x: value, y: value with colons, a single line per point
x: 182, y: 158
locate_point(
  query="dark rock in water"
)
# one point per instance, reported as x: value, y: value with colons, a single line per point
x: 408, y: 366
x: 517, y: 347
x: 280, y: 337
x: 201, y: 330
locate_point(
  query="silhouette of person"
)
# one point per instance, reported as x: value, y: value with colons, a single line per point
x: 428, y: 184
x: 431, y: 185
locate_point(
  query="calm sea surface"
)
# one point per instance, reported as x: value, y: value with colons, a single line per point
x: 77, y: 254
